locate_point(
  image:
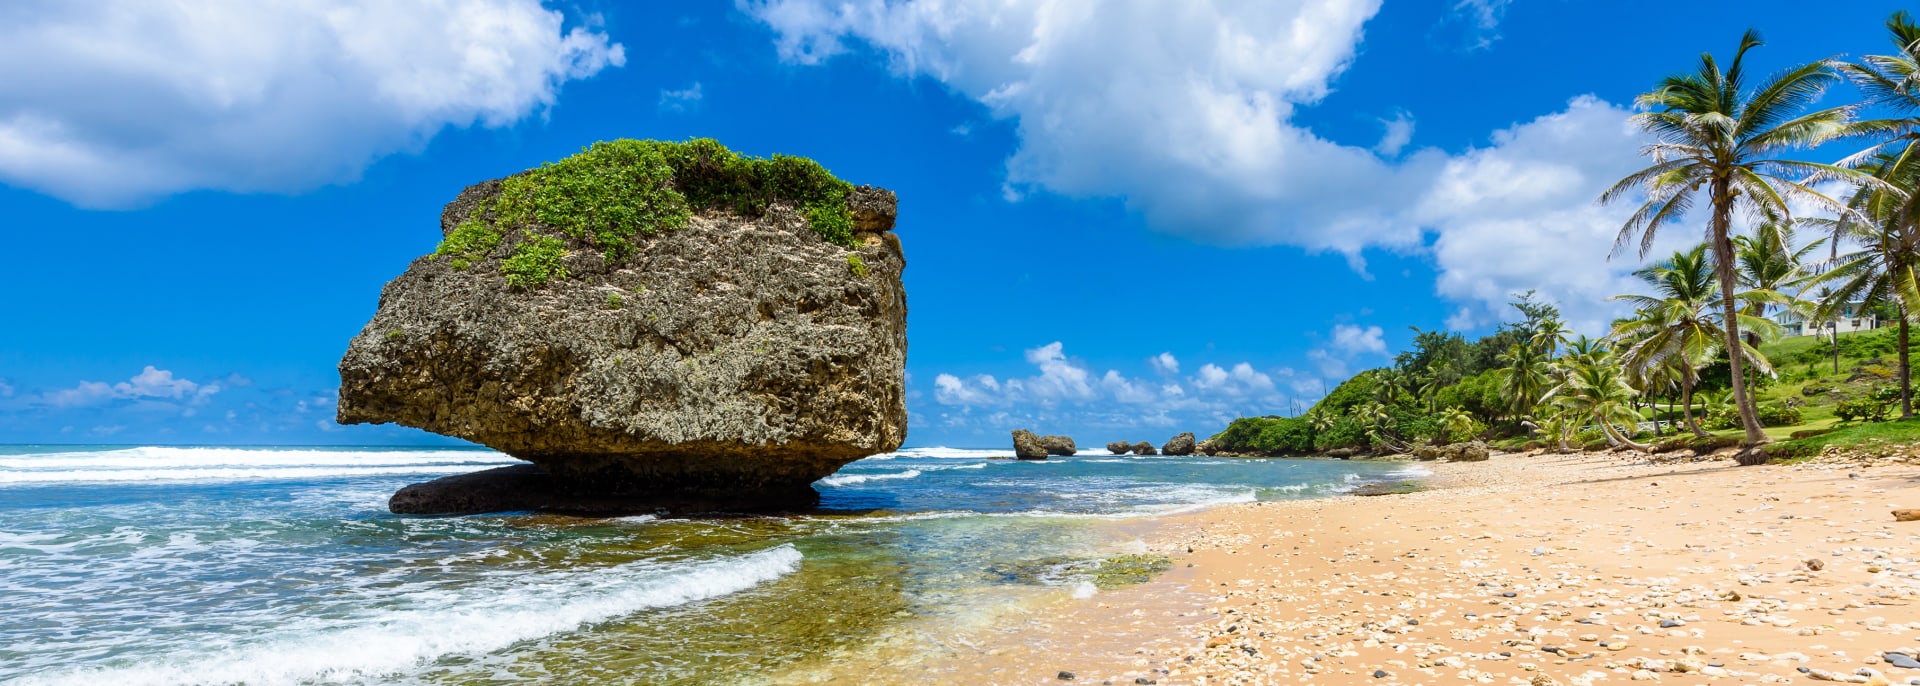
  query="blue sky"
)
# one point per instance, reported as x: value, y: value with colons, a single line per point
x: 1119, y: 222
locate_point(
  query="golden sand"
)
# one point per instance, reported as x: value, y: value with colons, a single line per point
x: 1526, y: 569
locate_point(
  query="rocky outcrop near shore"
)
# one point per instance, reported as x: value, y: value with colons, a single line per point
x: 1027, y: 445
x: 1180, y: 445
x: 1143, y: 448
x: 1119, y: 447
x: 1471, y: 451
x: 1058, y: 445
x: 734, y: 359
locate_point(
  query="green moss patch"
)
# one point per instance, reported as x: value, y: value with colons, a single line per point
x: 1105, y: 573
x: 614, y: 192
x: 1390, y: 488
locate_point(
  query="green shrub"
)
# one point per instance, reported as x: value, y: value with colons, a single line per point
x: 1865, y: 409
x: 1345, y: 432
x: 612, y: 191
x: 1770, y: 413
x: 471, y: 240
x: 613, y: 301
x: 1589, y: 435
x: 535, y: 262
x: 855, y: 265
x: 1271, y: 435
x: 1778, y: 414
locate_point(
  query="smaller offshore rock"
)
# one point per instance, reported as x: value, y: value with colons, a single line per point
x: 1027, y: 445
x: 1058, y: 445
x: 1144, y: 448
x: 1179, y: 445
x: 1119, y: 447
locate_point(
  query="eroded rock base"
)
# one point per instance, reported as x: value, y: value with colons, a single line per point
x: 528, y: 488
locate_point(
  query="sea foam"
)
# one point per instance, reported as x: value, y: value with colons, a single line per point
x: 157, y: 463
x: 436, y: 623
x: 851, y: 479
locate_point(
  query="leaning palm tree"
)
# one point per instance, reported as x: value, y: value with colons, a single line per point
x: 1596, y: 389
x: 1715, y: 142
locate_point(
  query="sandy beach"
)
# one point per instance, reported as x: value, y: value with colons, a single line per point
x: 1526, y: 569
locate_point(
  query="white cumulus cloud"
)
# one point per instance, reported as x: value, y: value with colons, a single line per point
x: 1185, y: 110
x: 1355, y: 340
x: 682, y: 100
x: 116, y: 102
x: 149, y: 384
x: 1165, y: 363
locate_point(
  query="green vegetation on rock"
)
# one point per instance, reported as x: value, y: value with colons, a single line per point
x: 535, y: 262
x: 613, y: 192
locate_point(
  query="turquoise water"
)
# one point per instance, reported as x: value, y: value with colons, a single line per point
x: 164, y: 565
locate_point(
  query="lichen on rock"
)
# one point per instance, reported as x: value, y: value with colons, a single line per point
x: 650, y: 319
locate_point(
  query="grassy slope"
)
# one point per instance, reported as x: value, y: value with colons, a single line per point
x: 1818, y: 413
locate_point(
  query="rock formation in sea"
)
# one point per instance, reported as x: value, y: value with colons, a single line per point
x: 1059, y: 445
x: 1179, y: 445
x: 1143, y: 448
x: 646, y: 323
x: 1119, y: 447
x: 1027, y: 445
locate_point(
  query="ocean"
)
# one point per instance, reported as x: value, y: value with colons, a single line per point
x: 217, y: 565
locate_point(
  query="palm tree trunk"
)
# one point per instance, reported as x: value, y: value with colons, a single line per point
x: 1618, y: 437
x: 1686, y: 407
x: 1723, y: 265
x: 1906, y: 373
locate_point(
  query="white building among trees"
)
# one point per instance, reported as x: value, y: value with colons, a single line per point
x: 1854, y: 317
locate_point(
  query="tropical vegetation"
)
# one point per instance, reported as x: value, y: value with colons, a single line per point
x: 1702, y: 360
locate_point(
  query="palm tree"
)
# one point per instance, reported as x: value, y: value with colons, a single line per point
x: 1715, y: 139
x: 1438, y: 377
x: 1885, y: 222
x: 1549, y: 334
x: 1886, y: 267
x: 1389, y: 385
x: 1676, y: 326
x: 1595, y: 388
x: 1320, y: 420
x: 1772, y: 270
x: 1455, y: 421
x: 1524, y: 378
x: 1893, y: 82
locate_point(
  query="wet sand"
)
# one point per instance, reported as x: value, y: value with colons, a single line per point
x: 1526, y: 569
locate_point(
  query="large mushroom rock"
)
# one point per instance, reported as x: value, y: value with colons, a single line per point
x: 1143, y: 448
x: 1119, y: 447
x: 646, y: 323
x: 1179, y: 445
x: 1027, y: 445
x: 1059, y: 445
